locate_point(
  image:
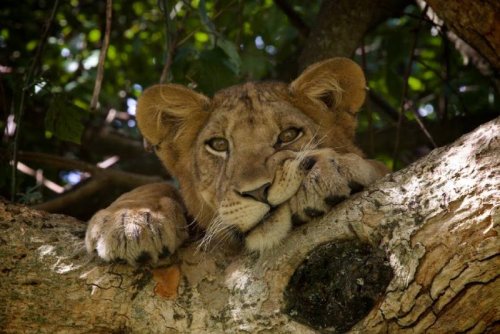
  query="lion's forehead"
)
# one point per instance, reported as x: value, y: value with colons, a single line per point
x: 251, y: 94
x: 259, y: 109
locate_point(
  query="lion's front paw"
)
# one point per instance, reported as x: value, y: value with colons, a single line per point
x: 137, y: 232
x: 331, y: 177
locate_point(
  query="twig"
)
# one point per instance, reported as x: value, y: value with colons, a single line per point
x: 215, y: 16
x: 425, y: 19
x: 391, y: 112
x: 171, y: 38
x: 446, y: 82
x: 3, y: 101
x: 446, y: 56
x: 293, y: 17
x: 102, y: 56
x: 165, y: 73
x: 405, y: 88
x: 202, y: 10
x: 423, y: 128
x: 26, y: 85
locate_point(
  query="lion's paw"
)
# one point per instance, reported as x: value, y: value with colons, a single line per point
x: 331, y: 177
x: 138, y: 234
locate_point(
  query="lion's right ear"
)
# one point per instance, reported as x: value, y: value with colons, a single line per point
x: 163, y: 111
x: 339, y: 83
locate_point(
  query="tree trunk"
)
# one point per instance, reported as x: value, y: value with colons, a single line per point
x: 435, y: 223
x: 476, y: 22
x: 341, y: 25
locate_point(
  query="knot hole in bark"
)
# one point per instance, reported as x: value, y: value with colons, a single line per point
x: 337, y: 285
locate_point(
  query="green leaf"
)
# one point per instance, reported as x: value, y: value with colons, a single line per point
x: 231, y: 51
x: 415, y: 84
x: 213, y: 72
x: 254, y: 65
x: 64, y: 119
x: 202, y: 10
x: 31, y: 45
x: 94, y: 35
x: 201, y: 36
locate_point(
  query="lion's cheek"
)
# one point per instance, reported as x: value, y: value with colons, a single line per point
x: 272, y: 231
x: 208, y: 197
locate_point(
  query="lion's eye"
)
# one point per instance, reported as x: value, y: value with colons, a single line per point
x: 289, y: 135
x: 218, y: 144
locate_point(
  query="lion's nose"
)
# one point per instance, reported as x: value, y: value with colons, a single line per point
x: 259, y: 194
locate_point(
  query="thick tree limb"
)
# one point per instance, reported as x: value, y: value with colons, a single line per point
x: 437, y: 221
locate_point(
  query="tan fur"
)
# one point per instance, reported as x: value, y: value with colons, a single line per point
x: 258, y: 188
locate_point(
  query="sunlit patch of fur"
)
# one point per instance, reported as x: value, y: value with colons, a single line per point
x: 270, y: 232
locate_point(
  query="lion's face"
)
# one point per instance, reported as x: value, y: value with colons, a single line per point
x: 257, y: 158
x: 250, y: 134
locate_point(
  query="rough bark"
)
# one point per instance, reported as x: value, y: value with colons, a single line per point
x: 437, y: 223
x: 341, y: 26
x: 476, y: 22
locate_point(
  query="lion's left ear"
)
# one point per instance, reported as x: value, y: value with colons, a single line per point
x: 338, y: 82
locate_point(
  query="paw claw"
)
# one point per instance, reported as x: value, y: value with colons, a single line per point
x: 355, y: 187
x: 164, y: 253
x: 297, y: 220
x: 143, y: 258
x: 313, y: 213
x: 333, y: 200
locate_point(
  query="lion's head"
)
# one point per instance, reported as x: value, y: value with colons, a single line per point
x: 258, y: 157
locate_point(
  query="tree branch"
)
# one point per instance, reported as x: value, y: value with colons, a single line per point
x: 101, y: 178
x: 341, y: 25
x: 482, y: 34
x: 102, y: 56
x: 437, y: 222
x: 74, y: 197
x: 293, y: 17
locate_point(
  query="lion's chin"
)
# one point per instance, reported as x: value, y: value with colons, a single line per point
x: 270, y: 230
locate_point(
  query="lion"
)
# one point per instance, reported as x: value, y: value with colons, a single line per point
x: 252, y: 162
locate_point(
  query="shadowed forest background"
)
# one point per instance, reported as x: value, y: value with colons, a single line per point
x: 71, y: 73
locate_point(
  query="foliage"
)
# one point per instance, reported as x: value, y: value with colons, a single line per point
x: 213, y: 44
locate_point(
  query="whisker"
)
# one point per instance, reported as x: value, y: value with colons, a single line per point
x: 194, y: 220
x: 216, y: 229
x: 312, y: 144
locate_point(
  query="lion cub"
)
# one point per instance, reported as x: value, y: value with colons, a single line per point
x: 251, y: 162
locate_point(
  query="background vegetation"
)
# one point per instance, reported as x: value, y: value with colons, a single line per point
x: 423, y: 92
